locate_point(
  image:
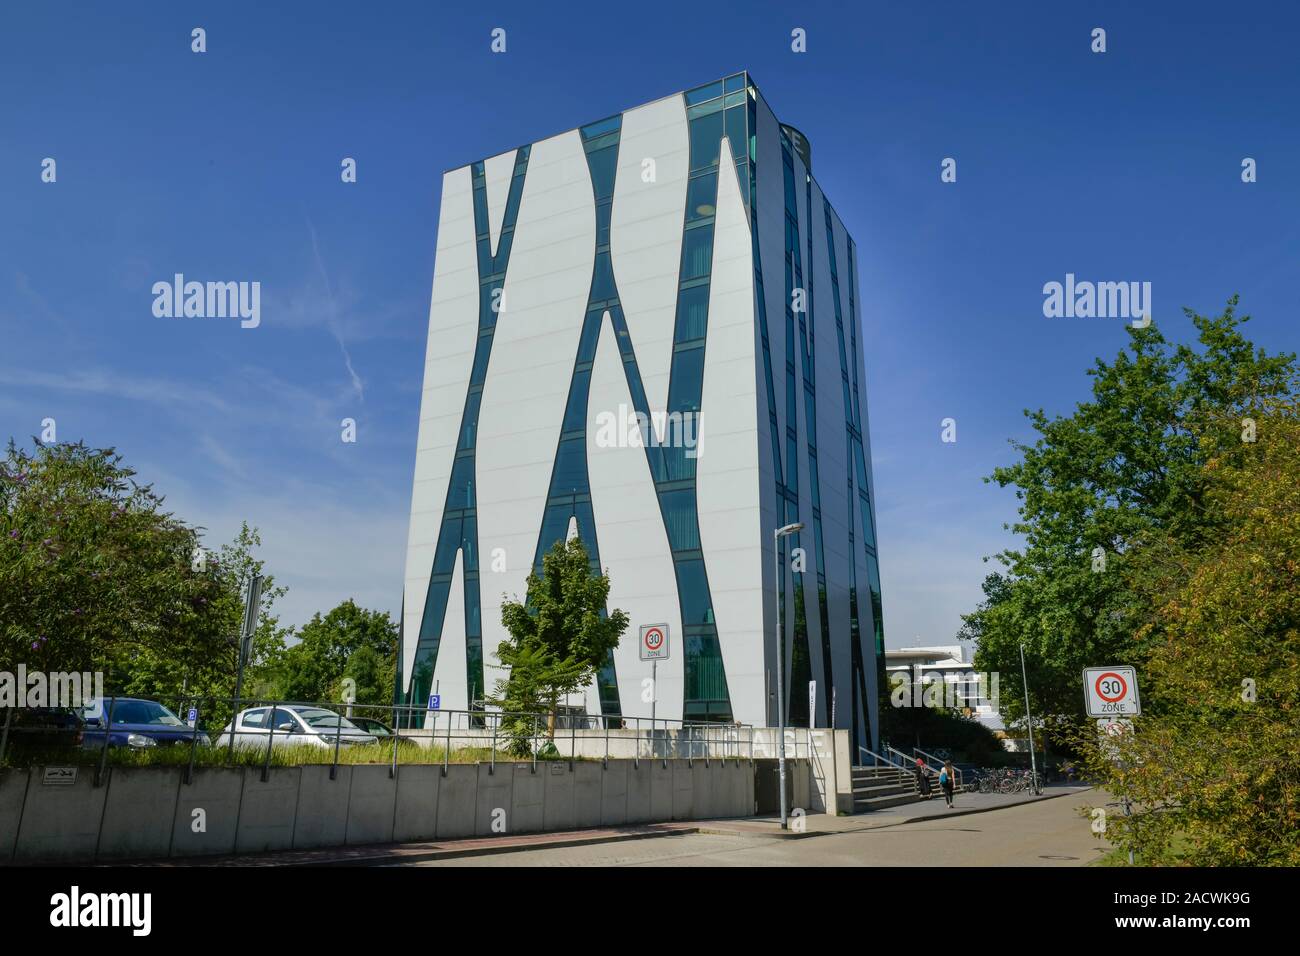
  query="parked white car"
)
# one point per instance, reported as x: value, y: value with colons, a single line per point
x: 294, y: 724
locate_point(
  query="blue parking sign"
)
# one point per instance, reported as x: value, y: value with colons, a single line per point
x: 435, y: 701
x: 192, y: 717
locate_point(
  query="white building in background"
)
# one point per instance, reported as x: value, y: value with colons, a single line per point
x: 677, y: 260
x: 950, y: 664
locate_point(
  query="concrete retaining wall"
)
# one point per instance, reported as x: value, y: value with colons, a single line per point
x: 528, y: 798
x: 321, y: 818
x: 139, y: 810
x: 416, y: 814
x: 457, y: 796
x: 207, y: 812
x: 151, y: 812
x: 268, y: 809
x: 557, y: 813
x: 639, y: 809
x: 60, y: 822
x: 372, y: 804
x: 13, y: 793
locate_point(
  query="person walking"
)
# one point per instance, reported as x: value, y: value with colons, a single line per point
x: 922, y: 779
x: 947, y: 777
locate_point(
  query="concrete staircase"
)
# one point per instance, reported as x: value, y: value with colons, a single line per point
x: 877, y: 788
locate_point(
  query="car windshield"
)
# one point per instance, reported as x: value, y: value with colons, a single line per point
x: 143, y: 712
x: 325, y: 718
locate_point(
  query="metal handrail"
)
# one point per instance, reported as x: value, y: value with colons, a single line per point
x: 904, y: 759
x: 449, y: 729
x: 935, y: 764
x: 879, y: 759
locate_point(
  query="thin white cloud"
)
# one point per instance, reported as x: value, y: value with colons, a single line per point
x: 332, y: 319
x: 91, y: 381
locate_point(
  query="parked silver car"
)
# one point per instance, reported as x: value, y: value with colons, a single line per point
x: 294, y: 724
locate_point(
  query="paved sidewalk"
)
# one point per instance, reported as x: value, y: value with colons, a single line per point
x: 399, y: 853
x: 819, y: 824
x: 816, y: 824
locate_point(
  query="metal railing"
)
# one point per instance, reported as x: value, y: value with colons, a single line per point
x: 214, y: 724
x: 935, y: 764
x: 880, y: 759
x: 897, y: 760
x: 902, y: 759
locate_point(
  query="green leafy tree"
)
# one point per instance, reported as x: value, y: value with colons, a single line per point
x: 558, y: 638
x: 1213, y: 766
x: 349, y: 641
x: 163, y: 674
x: 96, y: 575
x: 1126, y: 463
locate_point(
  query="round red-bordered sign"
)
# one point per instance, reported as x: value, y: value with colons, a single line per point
x: 654, y: 639
x: 1123, y: 687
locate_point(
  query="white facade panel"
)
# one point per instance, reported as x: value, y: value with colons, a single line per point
x: 633, y: 544
x: 527, y: 387
x: 453, y: 333
x: 645, y: 238
x: 450, y: 674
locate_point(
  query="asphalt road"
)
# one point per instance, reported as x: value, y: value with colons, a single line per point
x: 1045, y: 833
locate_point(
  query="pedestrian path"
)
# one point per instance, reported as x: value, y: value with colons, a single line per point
x: 804, y: 826
x: 817, y: 824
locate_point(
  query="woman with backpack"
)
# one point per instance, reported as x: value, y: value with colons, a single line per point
x: 947, y: 777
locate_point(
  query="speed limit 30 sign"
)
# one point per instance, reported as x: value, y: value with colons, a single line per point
x: 654, y: 642
x: 1111, y: 691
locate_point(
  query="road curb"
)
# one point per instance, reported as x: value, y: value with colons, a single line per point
x: 493, y: 850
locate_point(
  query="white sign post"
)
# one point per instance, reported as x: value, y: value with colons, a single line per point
x: 1112, y: 732
x: 1111, y: 692
x: 654, y: 647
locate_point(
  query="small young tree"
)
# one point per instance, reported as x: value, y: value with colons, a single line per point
x: 559, y: 637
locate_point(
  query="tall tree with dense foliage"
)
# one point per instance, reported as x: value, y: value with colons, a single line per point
x: 96, y: 575
x: 559, y: 637
x: 1127, y: 463
x: 164, y: 674
x: 348, y: 642
x: 1213, y: 766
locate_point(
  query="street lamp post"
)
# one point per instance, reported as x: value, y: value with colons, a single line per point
x: 780, y: 659
x: 1033, y: 760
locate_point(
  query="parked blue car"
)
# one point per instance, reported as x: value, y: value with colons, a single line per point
x: 136, y: 723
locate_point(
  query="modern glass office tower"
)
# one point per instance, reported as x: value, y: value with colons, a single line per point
x: 676, y: 264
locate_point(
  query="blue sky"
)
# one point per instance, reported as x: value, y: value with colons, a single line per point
x: 225, y: 165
